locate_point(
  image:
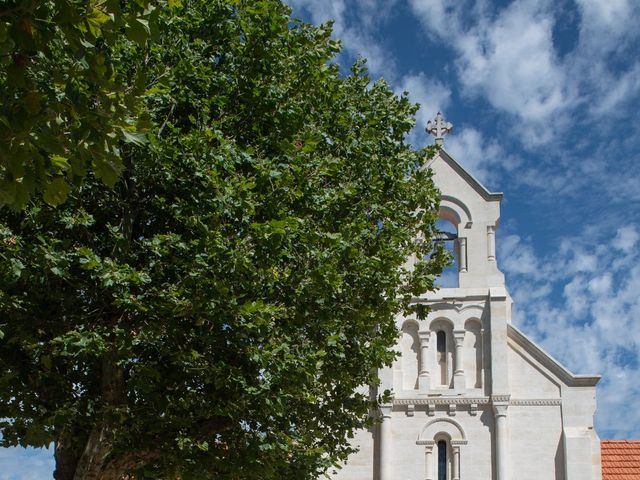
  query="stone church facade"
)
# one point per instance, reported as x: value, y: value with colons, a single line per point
x: 473, y: 397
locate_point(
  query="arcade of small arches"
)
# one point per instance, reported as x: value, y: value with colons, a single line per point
x: 440, y: 357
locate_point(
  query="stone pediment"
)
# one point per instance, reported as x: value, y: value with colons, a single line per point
x: 444, y: 157
x: 550, y: 364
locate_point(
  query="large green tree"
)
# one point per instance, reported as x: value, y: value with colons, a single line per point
x: 216, y: 313
x: 65, y: 107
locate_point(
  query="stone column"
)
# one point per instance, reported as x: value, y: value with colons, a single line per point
x: 385, y: 442
x: 455, y: 464
x: 500, y: 416
x: 491, y: 243
x: 424, y: 380
x: 462, y: 245
x: 428, y: 450
x: 482, y: 362
x: 458, y: 364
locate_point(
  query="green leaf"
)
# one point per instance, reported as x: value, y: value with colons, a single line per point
x: 56, y: 192
x: 136, y: 138
x: 95, y: 21
x: 16, y: 267
x: 108, y: 170
x: 59, y: 163
x: 138, y: 31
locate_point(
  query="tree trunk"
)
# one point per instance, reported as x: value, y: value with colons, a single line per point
x: 92, y: 462
x: 66, y: 456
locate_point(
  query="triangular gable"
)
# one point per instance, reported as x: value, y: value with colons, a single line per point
x: 550, y: 363
x: 468, y: 178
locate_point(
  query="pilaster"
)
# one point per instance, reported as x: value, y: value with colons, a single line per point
x: 500, y: 406
x: 458, y: 374
x: 386, y: 438
x: 424, y: 379
x: 500, y: 317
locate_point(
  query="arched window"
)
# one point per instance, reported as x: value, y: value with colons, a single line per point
x: 442, y: 460
x: 449, y: 277
x: 441, y: 352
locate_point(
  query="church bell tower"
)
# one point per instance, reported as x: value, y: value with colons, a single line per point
x: 473, y: 397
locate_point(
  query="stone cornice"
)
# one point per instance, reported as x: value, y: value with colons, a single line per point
x: 441, y: 401
x: 535, y: 402
x: 499, y: 399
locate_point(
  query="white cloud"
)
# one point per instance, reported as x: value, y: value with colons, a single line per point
x: 595, y: 328
x: 357, y: 37
x: 626, y: 239
x: 616, y: 89
x: 607, y: 23
x: 509, y: 60
x: 322, y: 12
x: 26, y: 464
x: 508, y: 57
x: 432, y: 95
x: 484, y: 158
x: 600, y: 285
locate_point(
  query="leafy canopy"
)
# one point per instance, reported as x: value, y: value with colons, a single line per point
x: 65, y: 108
x: 216, y: 313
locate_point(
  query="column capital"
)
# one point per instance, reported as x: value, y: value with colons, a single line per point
x: 428, y: 444
x: 458, y: 336
x: 500, y: 405
x: 500, y: 410
x: 385, y: 411
x: 424, y: 335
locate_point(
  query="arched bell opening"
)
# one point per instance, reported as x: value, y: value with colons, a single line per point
x: 442, y: 357
x: 447, y: 236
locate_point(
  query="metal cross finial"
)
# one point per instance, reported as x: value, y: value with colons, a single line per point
x: 439, y: 128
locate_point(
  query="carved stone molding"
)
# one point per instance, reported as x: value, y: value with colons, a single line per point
x: 500, y: 398
x: 385, y: 411
x: 458, y: 442
x: 424, y: 336
x: 428, y: 443
x: 411, y: 408
x: 442, y: 401
x: 475, y: 401
x: 536, y: 402
x: 452, y: 409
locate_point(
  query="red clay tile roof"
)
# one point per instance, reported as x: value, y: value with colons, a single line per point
x: 620, y: 459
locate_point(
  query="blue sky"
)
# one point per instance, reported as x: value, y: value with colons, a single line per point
x: 544, y: 97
